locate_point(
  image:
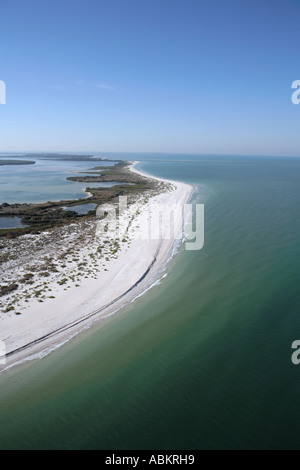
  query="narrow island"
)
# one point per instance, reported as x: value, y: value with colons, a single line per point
x: 16, y: 162
x: 58, y: 277
x: 44, y: 216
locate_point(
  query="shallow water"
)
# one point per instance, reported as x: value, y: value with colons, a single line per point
x: 204, y: 359
x: 11, y: 222
x: 82, y: 209
x: 45, y: 181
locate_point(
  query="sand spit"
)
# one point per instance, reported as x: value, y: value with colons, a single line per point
x: 64, y: 280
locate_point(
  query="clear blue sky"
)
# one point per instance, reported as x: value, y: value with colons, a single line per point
x: 202, y: 76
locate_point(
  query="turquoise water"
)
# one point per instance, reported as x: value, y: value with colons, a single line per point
x: 202, y: 361
x: 45, y: 181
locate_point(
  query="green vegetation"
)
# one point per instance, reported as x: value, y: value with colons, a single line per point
x: 5, y: 290
x: 41, y: 217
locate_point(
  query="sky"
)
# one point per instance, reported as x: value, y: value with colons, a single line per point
x: 185, y: 76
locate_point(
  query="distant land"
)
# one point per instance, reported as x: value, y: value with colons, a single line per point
x: 66, y: 157
x: 11, y: 160
x: 16, y: 162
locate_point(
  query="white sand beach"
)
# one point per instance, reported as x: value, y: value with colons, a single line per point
x: 73, y: 302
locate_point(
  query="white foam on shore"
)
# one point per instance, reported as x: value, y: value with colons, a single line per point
x: 44, y: 352
x: 112, y: 288
x: 155, y: 284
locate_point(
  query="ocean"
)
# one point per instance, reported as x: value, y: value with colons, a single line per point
x: 202, y: 360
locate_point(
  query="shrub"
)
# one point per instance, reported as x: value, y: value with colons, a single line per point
x: 5, y: 290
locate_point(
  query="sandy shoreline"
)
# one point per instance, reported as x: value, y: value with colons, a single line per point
x: 116, y: 281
